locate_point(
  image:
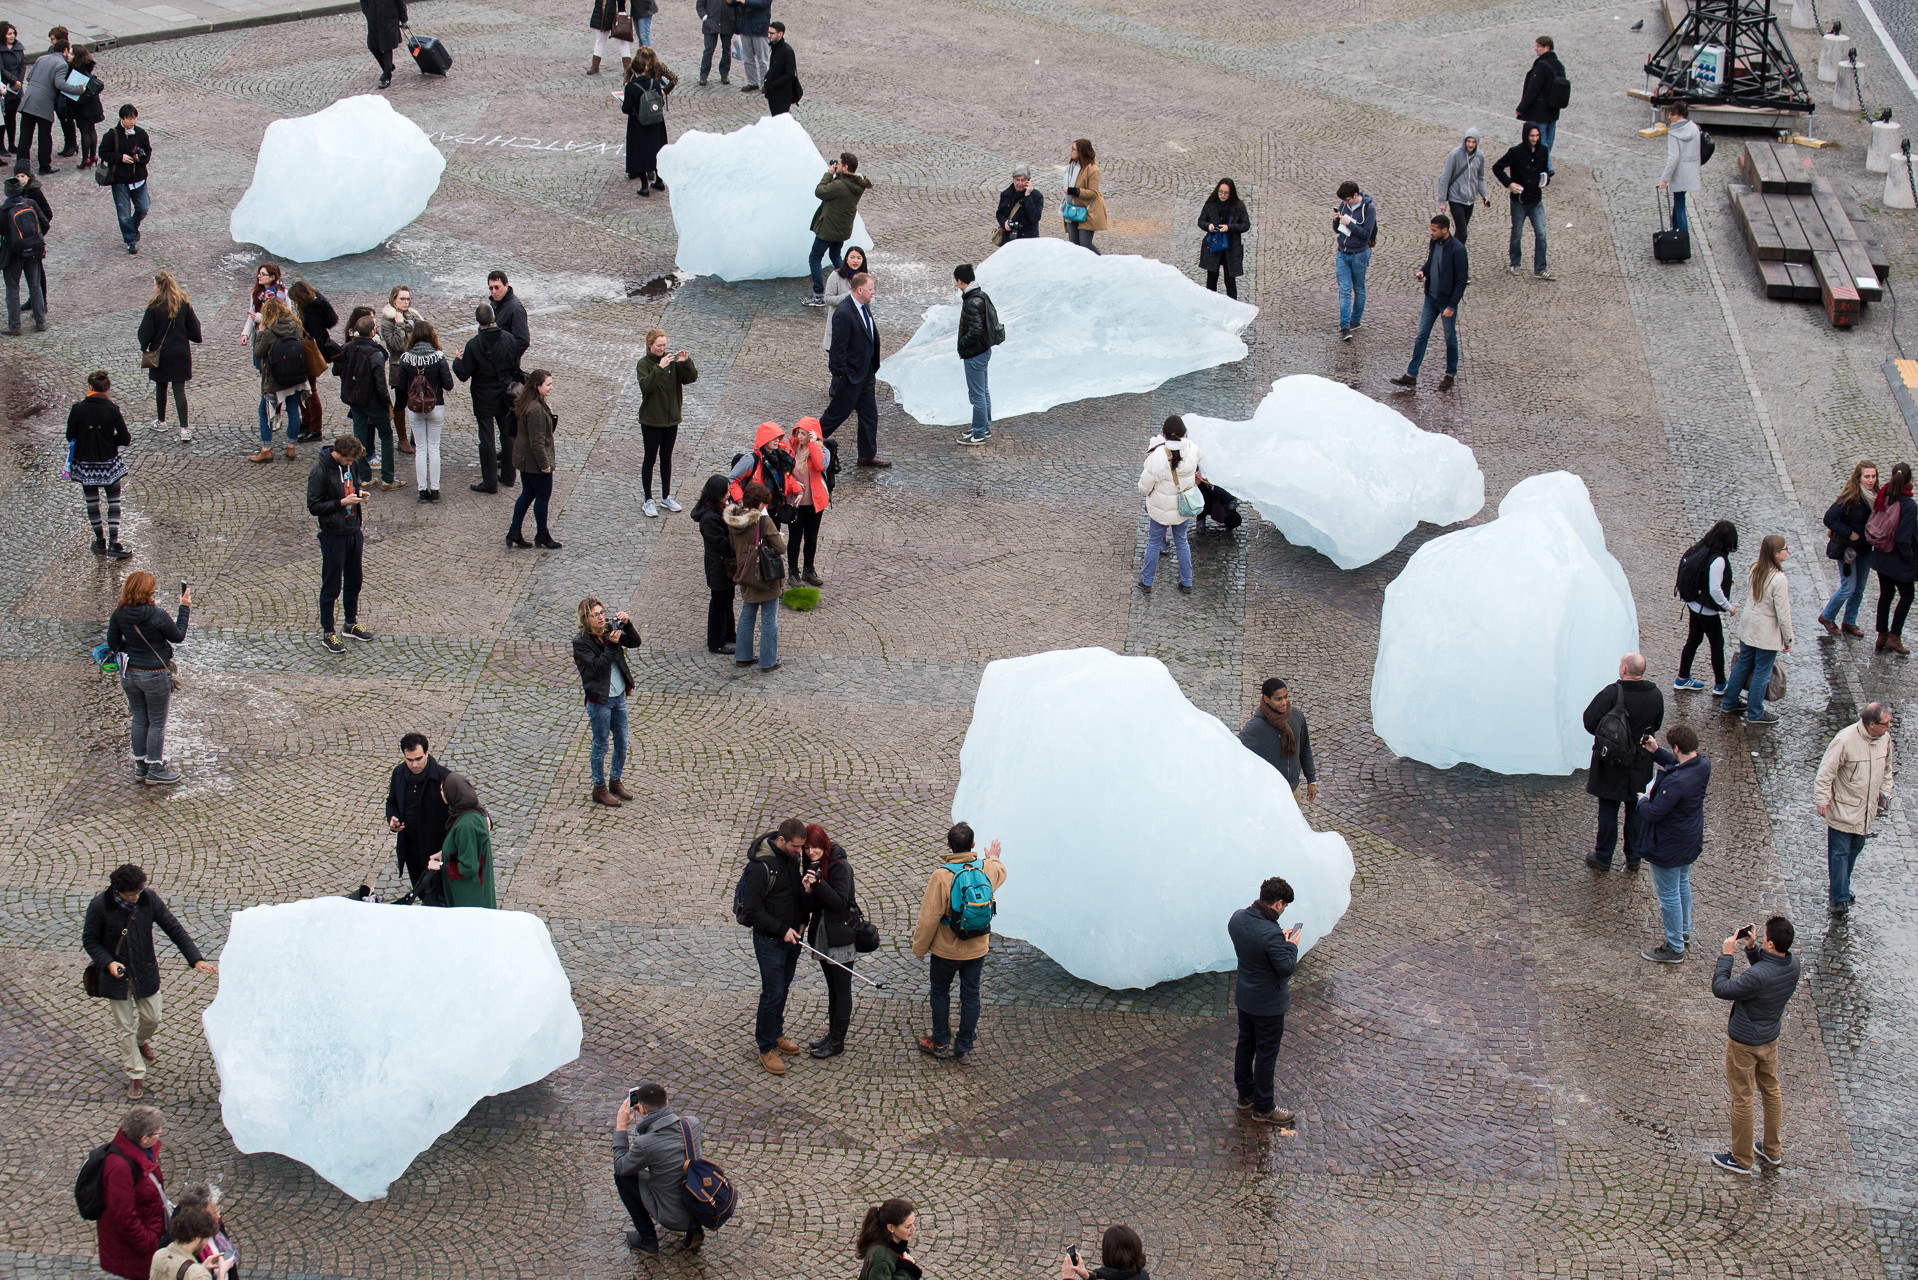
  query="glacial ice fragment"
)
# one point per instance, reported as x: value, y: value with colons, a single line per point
x: 338, y: 181
x: 743, y: 201
x: 1078, y: 325
x: 350, y: 1035
x: 1133, y: 824
x: 1495, y: 638
x: 1337, y: 471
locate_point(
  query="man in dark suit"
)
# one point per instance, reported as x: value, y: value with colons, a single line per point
x: 854, y: 363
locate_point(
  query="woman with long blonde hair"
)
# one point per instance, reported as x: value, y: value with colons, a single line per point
x: 167, y: 332
x: 1846, y: 518
x: 1764, y: 633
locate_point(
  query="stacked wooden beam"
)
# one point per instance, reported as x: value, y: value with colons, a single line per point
x: 1807, y: 236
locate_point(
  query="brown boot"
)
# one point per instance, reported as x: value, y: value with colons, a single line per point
x: 594, y: 69
x: 1850, y: 630
x: 266, y: 455
x: 618, y: 788
x: 603, y: 796
x: 1880, y: 646
x: 292, y: 454
x: 787, y: 1044
x: 773, y: 1062
x: 1895, y: 643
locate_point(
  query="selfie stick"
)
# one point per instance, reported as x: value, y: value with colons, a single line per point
x: 877, y: 986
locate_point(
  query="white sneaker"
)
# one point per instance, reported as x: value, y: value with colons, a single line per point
x: 669, y: 502
x: 186, y: 435
x: 651, y: 508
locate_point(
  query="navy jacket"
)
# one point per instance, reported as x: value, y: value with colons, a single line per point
x: 114, y: 931
x: 1266, y: 962
x: 1446, y: 274
x: 1365, y: 226
x: 1845, y: 519
x: 1674, y: 817
x: 854, y: 356
x: 1758, y: 995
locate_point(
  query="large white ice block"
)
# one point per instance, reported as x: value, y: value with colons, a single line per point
x: 743, y: 201
x: 1496, y: 637
x: 1133, y: 823
x: 338, y: 181
x: 1078, y: 325
x: 1337, y: 471
x: 350, y: 1035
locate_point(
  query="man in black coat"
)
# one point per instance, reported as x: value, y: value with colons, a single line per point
x: 1268, y: 952
x: 854, y: 364
x: 1622, y: 783
x: 24, y: 194
x: 1534, y: 106
x: 126, y: 148
x: 716, y: 26
x: 118, y: 939
x: 415, y: 809
x: 782, y: 71
x: 1445, y: 274
x: 776, y: 907
x: 334, y: 498
x: 1524, y: 171
x: 385, y: 19
x: 489, y: 361
x: 509, y: 313
x: 1020, y: 206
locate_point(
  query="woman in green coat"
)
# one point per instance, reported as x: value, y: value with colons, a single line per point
x: 467, y: 852
x: 663, y: 375
x: 884, y: 1245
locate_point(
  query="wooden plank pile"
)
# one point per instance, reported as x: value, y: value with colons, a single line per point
x: 1807, y: 236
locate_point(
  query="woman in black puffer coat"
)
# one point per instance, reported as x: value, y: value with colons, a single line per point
x: 85, y: 111
x: 722, y: 626
x: 827, y: 881
x: 1224, y: 215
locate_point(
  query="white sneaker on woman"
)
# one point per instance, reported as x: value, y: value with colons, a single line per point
x: 669, y: 502
x: 651, y: 508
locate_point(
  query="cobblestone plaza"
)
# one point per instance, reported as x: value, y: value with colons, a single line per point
x: 1490, y: 1081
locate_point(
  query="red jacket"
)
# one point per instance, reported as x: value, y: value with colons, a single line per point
x: 131, y: 1227
x: 768, y: 433
x: 815, y: 465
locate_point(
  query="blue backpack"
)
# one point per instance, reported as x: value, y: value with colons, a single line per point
x: 970, y: 912
x: 704, y: 1188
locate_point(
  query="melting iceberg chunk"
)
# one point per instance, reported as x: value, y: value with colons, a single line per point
x: 1337, y: 471
x: 1133, y: 823
x: 1078, y: 325
x: 350, y: 1035
x: 743, y: 201
x: 338, y: 181
x: 1495, y: 638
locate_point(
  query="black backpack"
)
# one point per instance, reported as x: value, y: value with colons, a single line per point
x: 1558, y: 94
x: 286, y: 361
x: 1612, y: 741
x: 90, y: 1188
x: 1691, y: 585
x: 1706, y: 147
x: 739, y: 890
x: 26, y: 239
x: 362, y: 375
x: 995, y: 332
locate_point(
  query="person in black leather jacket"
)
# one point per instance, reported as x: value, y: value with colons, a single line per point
x: 977, y: 320
x: 1020, y: 206
x: 335, y: 498
x: 599, y: 651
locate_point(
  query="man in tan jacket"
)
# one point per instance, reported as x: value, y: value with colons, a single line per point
x: 953, y: 955
x: 1854, y: 779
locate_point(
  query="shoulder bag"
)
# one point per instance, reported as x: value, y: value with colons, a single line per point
x: 1072, y: 212
x: 1775, y: 687
x: 90, y: 980
x: 172, y: 667
x: 151, y: 359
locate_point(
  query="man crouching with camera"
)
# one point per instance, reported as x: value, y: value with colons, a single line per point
x: 651, y: 1144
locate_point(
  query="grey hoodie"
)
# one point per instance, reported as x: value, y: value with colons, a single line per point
x: 1463, y: 178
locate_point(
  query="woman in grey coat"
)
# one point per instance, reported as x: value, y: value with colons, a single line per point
x: 1462, y: 181
x: 1682, y: 158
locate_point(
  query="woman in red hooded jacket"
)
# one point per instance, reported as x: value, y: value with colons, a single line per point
x: 752, y: 468
x: 809, y: 469
x: 134, y: 1225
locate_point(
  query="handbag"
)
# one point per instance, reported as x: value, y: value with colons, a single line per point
x: 172, y: 667
x: 90, y: 979
x: 151, y: 359
x: 316, y: 362
x: 1072, y: 212
x: 865, y: 934
x: 1775, y: 687
x: 103, y: 174
x: 622, y: 29
x: 1218, y: 241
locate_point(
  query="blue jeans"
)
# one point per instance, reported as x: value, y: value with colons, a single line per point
x: 778, y: 960
x: 609, y: 721
x: 1426, y: 319
x: 1678, y: 211
x: 979, y: 394
x: 942, y: 974
x: 1674, y: 886
x: 374, y: 427
x: 131, y: 204
x: 646, y: 32
x: 1841, y: 855
x: 1850, y: 593
x: 821, y: 249
x: 1257, y: 1057
x: 1155, y: 536
x: 1534, y: 214
x: 1751, y: 667
x: 1547, y: 135
x: 291, y: 400
x: 1352, y: 286
x: 768, y: 616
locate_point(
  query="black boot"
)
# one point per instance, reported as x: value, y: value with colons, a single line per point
x: 830, y: 1047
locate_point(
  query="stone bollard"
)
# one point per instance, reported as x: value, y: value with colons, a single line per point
x: 1884, y: 145
x: 1898, y: 183
x: 1830, y: 53
x: 1802, y: 18
x: 1843, y: 95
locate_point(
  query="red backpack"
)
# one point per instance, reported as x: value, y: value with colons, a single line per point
x: 1881, y: 531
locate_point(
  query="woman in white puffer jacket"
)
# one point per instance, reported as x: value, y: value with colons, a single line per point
x: 1171, y: 468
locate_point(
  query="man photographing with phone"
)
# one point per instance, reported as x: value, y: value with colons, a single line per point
x: 1759, y: 996
x: 1268, y: 953
x: 651, y: 1144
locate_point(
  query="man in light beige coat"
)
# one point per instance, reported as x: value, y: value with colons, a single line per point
x: 1854, y: 780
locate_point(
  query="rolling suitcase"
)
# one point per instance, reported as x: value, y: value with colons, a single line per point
x: 429, y: 55
x: 1669, y: 243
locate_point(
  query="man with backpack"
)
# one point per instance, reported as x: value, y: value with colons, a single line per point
x: 979, y: 332
x: 361, y: 369
x: 653, y: 1146
x: 1620, y: 719
x: 121, y: 1189
x: 955, y: 924
x: 23, y: 250
x: 1355, y: 225
x: 117, y: 936
x: 1547, y: 92
x: 488, y: 362
x: 770, y: 902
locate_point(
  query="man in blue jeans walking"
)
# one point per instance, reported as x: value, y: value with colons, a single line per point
x: 126, y: 150
x: 1445, y: 275
x: 1355, y: 224
x: 599, y: 651
x: 1268, y: 953
x: 979, y: 332
x: 1854, y: 780
x: 773, y: 904
x: 954, y: 955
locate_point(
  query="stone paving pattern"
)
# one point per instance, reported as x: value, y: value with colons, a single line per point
x: 1491, y: 1082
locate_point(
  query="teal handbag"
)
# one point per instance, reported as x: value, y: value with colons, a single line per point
x: 1072, y: 212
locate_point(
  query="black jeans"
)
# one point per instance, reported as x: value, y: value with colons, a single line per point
x: 725, y: 44
x: 535, y: 491
x: 340, y: 566
x: 846, y: 397
x: 1886, y: 586
x: 722, y: 624
x: 968, y: 973
x: 1257, y: 1058
x: 805, y: 533
x: 1461, y: 218
x: 627, y: 1184
x: 838, y: 1000
x: 1212, y: 282
x: 29, y: 125
x: 485, y: 414
x: 1703, y: 628
x: 1608, y: 831
x: 659, y: 447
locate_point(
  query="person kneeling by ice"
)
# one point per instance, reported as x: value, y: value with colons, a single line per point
x: 651, y: 1145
